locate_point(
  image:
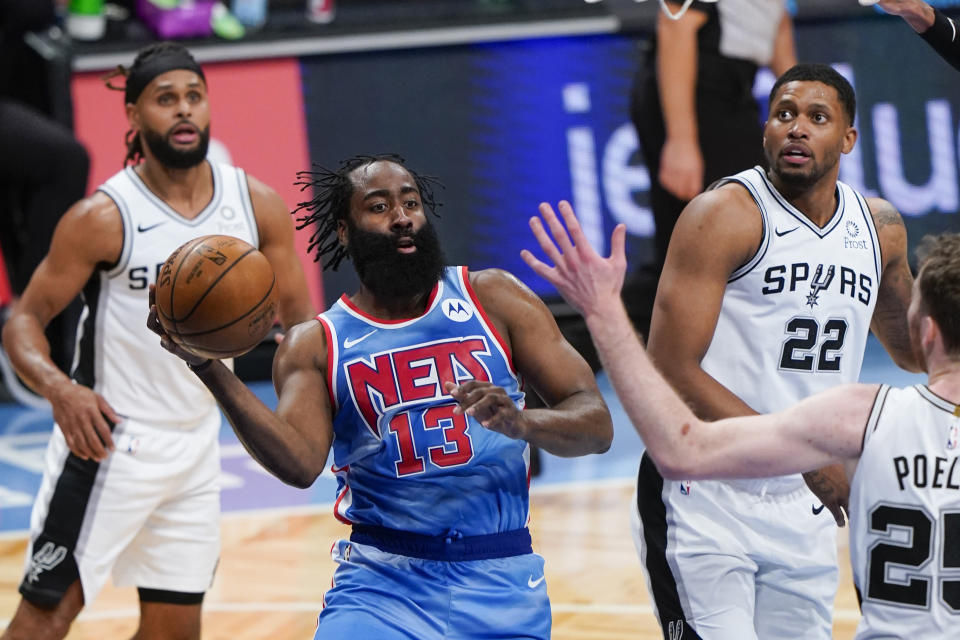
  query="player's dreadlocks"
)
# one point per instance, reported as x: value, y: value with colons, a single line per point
x: 150, y: 62
x: 331, y: 202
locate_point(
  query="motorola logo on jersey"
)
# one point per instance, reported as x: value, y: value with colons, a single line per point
x: 401, y: 378
x: 457, y: 310
x: 820, y: 278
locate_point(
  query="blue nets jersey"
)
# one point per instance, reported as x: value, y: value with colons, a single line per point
x: 402, y: 457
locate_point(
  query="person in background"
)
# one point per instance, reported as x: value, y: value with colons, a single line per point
x: 897, y: 447
x: 694, y: 111
x: 43, y: 169
x: 131, y: 474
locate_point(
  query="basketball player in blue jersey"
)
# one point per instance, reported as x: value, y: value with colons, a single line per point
x: 898, y: 447
x: 771, y: 285
x: 416, y: 383
x: 132, y: 470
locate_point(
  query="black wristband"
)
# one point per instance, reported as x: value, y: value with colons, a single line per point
x: 197, y: 368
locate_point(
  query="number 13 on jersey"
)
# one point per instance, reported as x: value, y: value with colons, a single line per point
x: 455, y: 450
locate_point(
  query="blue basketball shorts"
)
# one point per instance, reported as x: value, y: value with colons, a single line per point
x: 387, y: 596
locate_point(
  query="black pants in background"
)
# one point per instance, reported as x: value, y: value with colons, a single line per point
x: 43, y: 171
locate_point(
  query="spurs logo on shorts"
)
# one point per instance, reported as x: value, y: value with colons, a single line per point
x: 47, y: 558
x: 675, y: 630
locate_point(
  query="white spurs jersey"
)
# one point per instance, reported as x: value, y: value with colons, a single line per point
x: 795, y: 318
x: 116, y: 354
x: 905, y: 517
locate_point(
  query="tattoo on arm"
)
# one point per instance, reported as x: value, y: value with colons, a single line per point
x: 885, y: 215
x: 889, y: 321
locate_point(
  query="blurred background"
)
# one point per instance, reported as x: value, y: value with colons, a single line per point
x: 508, y: 102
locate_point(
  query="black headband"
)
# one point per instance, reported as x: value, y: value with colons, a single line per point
x: 156, y: 65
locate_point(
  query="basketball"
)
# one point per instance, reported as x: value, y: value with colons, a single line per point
x: 216, y: 296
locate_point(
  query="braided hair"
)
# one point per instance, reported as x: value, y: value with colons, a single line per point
x: 331, y: 202
x: 151, y: 61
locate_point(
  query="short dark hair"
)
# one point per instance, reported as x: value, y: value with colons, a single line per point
x: 826, y: 74
x: 939, y: 275
x: 331, y: 201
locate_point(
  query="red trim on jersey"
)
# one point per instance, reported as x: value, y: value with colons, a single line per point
x: 336, y: 505
x: 433, y: 295
x: 464, y: 272
x: 330, y: 363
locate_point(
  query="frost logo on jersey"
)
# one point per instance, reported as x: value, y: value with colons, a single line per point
x: 849, y: 241
x: 228, y: 225
x: 819, y: 283
x: 457, y: 310
x: 675, y: 630
x: 48, y: 557
x: 396, y: 379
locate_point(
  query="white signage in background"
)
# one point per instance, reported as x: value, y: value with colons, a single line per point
x: 583, y: 167
x: 620, y: 179
x: 939, y: 192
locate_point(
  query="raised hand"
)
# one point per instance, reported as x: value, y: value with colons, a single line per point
x: 917, y: 13
x: 589, y: 282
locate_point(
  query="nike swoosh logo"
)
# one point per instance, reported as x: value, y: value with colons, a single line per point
x: 783, y: 233
x: 349, y: 343
x: 141, y: 228
x: 533, y: 584
x: 816, y: 510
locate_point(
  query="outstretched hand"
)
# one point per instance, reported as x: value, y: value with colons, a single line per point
x: 153, y: 323
x: 589, y: 282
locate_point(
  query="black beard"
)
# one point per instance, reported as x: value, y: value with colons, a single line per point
x: 173, y: 158
x: 389, y: 274
x: 800, y: 180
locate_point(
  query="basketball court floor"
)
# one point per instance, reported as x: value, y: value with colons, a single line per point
x: 275, y: 563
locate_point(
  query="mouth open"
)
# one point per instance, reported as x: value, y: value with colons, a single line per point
x: 795, y: 154
x: 185, y: 133
x: 405, y: 244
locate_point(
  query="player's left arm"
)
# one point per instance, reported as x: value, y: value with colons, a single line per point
x: 889, y: 321
x: 577, y: 420
x: 822, y: 430
x: 276, y: 243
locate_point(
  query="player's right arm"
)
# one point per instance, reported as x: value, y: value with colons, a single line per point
x: 717, y: 232
x: 294, y: 441
x: 681, y: 160
x: 88, y: 235
x: 822, y: 429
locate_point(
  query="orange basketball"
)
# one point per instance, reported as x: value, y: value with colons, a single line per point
x: 217, y: 296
